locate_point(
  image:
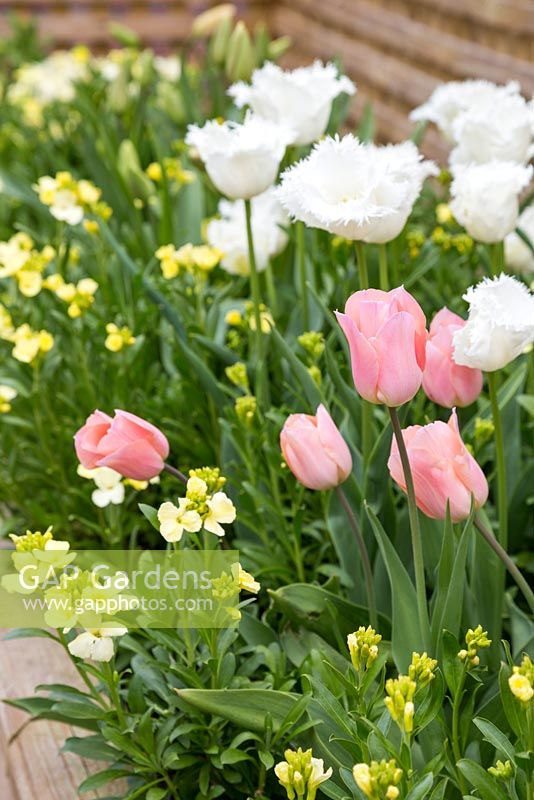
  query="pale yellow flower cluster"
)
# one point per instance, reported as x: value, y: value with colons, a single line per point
x: 401, y: 691
x: 7, y: 394
x: 363, y: 647
x: 173, y: 171
x: 189, y: 257
x: 27, y: 343
x: 301, y: 774
x: 521, y: 682
x: 19, y: 259
x: 38, y: 84
x: 79, y: 296
x: 118, y: 338
x: 378, y: 780
x: 202, y: 507
x: 475, y: 640
x: 70, y: 200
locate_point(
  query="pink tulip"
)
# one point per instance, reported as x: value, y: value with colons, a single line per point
x: 125, y: 443
x: 386, y: 332
x: 315, y: 451
x: 444, y: 381
x: 443, y: 470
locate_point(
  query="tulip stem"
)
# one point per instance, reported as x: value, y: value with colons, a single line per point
x: 361, y: 258
x: 522, y: 583
x: 497, y: 258
x: 367, y: 411
x: 417, y: 545
x: 383, y: 267
x: 500, y: 460
x: 364, y: 555
x: 301, y: 260
x: 175, y: 472
x: 254, y: 285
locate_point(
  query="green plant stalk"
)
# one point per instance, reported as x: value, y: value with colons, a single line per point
x: 367, y: 411
x: 271, y: 289
x: 456, y: 727
x: 502, y: 500
x: 521, y: 582
x: 364, y: 555
x: 303, y: 278
x: 383, y: 267
x: 361, y: 258
x: 255, y: 291
x: 497, y: 258
x: 417, y: 546
x: 109, y: 677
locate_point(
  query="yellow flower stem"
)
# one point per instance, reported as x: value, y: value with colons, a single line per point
x: 364, y: 556
x: 500, y: 460
x: 175, y: 472
x: 383, y: 267
x: 417, y: 545
x: 522, y: 583
x: 300, y: 231
x: 456, y: 727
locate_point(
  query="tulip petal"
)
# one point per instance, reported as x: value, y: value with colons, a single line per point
x: 400, y: 375
x: 136, y: 460
x: 333, y: 443
x: 364, y: 361
x: 313, y: 468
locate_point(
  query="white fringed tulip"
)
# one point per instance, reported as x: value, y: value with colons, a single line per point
x: 96, y: 644
x: 484, y: 121
x: 229, y: 235
x: 241, y: 160
x: 485, y: 198
x: 517, y: 254
x: 500, y: 324
x: 358, y: 191
x: 300, y: 99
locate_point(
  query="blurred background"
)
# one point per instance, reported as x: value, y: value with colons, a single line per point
x: 396, y: 50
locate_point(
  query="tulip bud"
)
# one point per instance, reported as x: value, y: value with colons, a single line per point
x: 129, y: 167
x: 208, y: 22
x: 219, y: 41
x: 315, y: 451
x: 444, y: 472
x: 143, y: 68
x: 124, y: 35
x: 240, y: 61
x: 278, y: 47
x: 117, y: 96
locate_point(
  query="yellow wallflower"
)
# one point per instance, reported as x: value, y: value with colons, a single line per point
x: 79, y: 296
x: 7, y: 329
x: 233, y: 317
x: 7, y: 394
x: 68, y: 199
x: 521, y: 682
x: 117, y: 338
x: 29, y: 343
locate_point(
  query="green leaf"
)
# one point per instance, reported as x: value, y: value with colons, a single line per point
x: 496, y: 737
x: 453, y: 667
x: 29, y: 633
x: 156, y: 793
x: 509, y: 702
x: 406, y: 634
x: 93, y: 747
x: 323, y: 612
x: 477, y: 776
x: 150, y: 513
x: 451, y: 611
x: 79, y: 710
x: 101, y: 778
x: 308, y: 385
x: 421, y: 789
x: 526, y: 401
x: 247, y: 708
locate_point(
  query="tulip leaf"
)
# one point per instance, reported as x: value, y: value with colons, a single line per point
x: 308, y: 385
x: 406, y: 634
x: 323, y: 612
x: 448, y: 615
x: 421, y: 788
